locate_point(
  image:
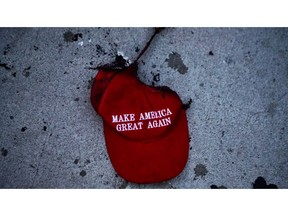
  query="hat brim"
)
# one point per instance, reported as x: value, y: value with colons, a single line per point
x: 150, y: 161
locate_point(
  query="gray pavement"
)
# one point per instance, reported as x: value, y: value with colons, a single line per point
x: 50, y: 136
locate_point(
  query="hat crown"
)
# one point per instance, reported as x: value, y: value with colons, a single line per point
x: 135, y: 110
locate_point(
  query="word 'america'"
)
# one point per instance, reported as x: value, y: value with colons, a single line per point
x: 127, y: 122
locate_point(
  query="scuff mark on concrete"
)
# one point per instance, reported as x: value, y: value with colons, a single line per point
x: 175, y: 62
x: 200, y: 170
x: 71, y: 37
x: 4, y: 152
x: 6, y: 66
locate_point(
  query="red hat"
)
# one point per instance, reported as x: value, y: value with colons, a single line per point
x: 145, y: 127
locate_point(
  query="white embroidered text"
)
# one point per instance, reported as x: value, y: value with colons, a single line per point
x: 127, y: 122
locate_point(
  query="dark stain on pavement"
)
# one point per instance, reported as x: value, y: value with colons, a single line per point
x: 156, y: 77
x: 76, y: 161
x: 6, y: 49
x: 100, y: 50
x: 281, y: 133
x: 187, y: 105
x: 4, y: 80
x: 248, y: 56
x: 83, y: 173
x: 123, y: 185
x: 175, y: 62
x: 26, y: 71
x: 71, y: 37
x: 200, y: 170
x: 32, y: 166
x: 4, y: 152
x: 272, y: 109
x: 87, y: 162
x: 6, y: 66
x: 107, y: 33
x: 216, y: 187
x: 230, y: 150
x: 260, y: 183
x: 23, y: 129
x: 229, y: 60
x: 137, y: 49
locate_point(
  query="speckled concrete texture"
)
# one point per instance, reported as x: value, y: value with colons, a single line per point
x: 50, y: 136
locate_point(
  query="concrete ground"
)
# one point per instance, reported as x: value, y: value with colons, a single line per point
x: 50, y: 136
